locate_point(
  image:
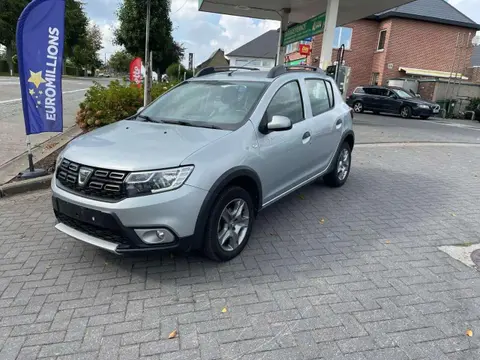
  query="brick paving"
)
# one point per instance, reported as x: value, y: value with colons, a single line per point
x: 347, y: 274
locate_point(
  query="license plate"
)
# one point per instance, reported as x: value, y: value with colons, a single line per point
x: 82, y: 214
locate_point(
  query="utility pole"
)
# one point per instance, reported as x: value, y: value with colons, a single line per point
x: 146, y: 81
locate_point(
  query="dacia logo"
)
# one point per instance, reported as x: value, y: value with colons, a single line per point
x: 84, y: 175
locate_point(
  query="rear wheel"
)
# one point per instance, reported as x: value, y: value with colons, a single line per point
x: 339, y: 175
x: 229, y: 225
x: 358, y: 107
x: 406, y: 112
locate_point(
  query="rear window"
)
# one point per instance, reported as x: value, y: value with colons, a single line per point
x: 359, y: 90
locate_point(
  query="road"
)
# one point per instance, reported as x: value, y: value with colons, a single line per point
x: 384, y: 128
x: 12, y: 134
x: 329, y: 274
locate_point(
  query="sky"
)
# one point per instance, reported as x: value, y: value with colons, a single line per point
x: 203, y: 33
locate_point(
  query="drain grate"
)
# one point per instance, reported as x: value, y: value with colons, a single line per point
x: 476, y: 257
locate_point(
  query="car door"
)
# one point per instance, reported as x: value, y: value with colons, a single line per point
x: 326, y: 122
x: 285, y: 156
x: 392, y: 103
x: 369, y: 98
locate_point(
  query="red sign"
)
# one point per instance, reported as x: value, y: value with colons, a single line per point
x: 304, y: 49
x: 136, y: 71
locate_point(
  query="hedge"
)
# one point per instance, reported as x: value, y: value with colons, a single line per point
x: 104, y: 105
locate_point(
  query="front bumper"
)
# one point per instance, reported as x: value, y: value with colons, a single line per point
x: 115, y: 226
x: 422, y: 112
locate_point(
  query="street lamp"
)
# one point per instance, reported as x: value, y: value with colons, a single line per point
x: 146, y: 82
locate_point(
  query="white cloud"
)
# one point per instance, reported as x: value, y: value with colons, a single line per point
x: 202, y: 33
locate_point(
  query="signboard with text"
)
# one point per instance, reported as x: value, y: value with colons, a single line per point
x: 309, y: 28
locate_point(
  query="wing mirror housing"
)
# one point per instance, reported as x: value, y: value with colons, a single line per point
x: 279, y: 123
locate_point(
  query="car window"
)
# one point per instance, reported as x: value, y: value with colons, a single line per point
x: 287, y: 102
x: 369, y: 91
x: 223, y: 104
x: 359, y: 90
x: 317, y: 92
x: 331, y: 97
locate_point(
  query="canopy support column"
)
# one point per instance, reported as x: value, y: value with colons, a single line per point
x: 329, y: 33
x: 284, y: 13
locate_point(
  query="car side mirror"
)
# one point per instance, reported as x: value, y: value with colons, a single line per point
x: 140, y: 109
x: 279, y: 123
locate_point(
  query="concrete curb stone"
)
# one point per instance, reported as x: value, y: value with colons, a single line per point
x: 21, y: 187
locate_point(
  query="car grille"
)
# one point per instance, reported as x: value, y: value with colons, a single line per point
x: 101, y: 184
x: 92, y: 230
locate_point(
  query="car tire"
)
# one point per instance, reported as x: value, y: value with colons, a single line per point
x: 406, y: 112
x: 339, y: 174
x: 224, y: 222
x: 358, y: 107
x: 424, y: 117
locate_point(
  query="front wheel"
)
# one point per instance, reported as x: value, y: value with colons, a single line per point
x: 406, y: 112
x: 230, y: 224
x: 339, y: 175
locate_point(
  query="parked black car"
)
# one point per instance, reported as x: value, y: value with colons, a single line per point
x: 477, y: 113
x: 394, y: 100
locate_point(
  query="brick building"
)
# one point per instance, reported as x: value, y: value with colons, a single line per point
x: 413, y: 40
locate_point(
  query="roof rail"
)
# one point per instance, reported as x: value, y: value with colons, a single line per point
x: 215, y: 69
x: 282, y: 69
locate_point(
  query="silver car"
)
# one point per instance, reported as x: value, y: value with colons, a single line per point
x: 193, y: 169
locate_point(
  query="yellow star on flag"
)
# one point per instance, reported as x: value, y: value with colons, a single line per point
x: 31, y: 91
x: 36, y: 78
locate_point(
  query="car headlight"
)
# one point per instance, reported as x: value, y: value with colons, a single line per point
x: 152, y: 182
x: 422, y: 106
x: 58, y: 161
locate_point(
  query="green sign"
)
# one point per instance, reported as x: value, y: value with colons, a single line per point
x: 296, y: 62
x: 311, y: 27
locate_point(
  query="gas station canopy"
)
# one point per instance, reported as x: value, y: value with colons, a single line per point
x: 300, y: 10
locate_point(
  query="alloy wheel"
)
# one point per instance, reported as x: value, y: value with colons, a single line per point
x: 233, y: 225
x: 343, y: 165
x: 358, y: 107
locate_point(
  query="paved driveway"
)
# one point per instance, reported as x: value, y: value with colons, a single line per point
x: 353, y: 273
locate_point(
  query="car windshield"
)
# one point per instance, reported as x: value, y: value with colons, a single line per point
x: 215, y: 104
x: 403, y: 94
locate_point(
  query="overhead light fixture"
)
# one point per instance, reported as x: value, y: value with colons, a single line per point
x: 242, y: 7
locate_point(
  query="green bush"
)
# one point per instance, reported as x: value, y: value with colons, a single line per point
x: 474, y: 102
x: 104, y: 105
x: 172, y: 71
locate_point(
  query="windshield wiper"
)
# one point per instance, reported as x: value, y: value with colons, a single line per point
x: 187, y: 123
x: 147, y: 118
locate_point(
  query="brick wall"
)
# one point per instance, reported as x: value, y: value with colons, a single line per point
x: 360, y: 55
x: 427, y: 90
x: 473, y: 74
x: 423, y: 45
x: 409, y: 43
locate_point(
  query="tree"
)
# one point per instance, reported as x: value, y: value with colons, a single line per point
x: 120, y: 61
x: 10, y: 11
x: 131, y: 32
x: 75, y: 25
x: 173, y: 71
x: 85, y: 54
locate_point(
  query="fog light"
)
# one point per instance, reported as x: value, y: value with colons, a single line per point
x: 155, y: 236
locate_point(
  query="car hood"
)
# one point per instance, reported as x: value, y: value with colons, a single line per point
x: 133, y: 145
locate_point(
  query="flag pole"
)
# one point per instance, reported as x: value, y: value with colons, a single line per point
x: 146, y: 82
x: 31, y: 173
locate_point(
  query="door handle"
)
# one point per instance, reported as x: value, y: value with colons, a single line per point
x: 306, y: 137
x: 338, y: 124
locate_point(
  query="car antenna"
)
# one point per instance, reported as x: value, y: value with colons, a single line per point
x: 231, y: 72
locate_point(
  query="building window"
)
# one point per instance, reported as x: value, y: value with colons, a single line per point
x: 292, y: 47
x: 381, y: 40
x: 343, y: 36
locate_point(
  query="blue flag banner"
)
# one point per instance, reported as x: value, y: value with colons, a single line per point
x: 40, y: 36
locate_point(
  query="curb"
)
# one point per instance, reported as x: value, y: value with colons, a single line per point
x: 25, y: 186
